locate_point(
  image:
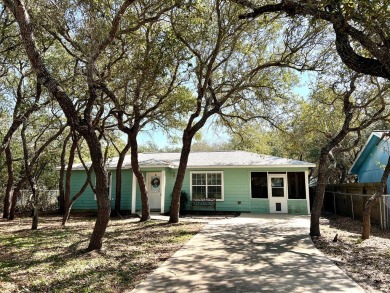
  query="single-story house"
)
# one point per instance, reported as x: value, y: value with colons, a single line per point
x: 370, y: 162
x: 239, y: 181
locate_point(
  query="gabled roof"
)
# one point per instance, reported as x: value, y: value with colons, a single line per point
x: 207, y: 160
x: 372, y: 141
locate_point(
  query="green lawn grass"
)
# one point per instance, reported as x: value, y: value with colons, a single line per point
x: 53, y: 258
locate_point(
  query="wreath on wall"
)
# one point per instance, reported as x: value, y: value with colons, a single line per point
x: 155, y: 182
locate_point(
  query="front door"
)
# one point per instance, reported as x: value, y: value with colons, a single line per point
x: 154, y: 190
x: 277, y: 190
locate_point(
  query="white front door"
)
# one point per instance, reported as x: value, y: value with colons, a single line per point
x: 154, y: 190
x: 277, y: 190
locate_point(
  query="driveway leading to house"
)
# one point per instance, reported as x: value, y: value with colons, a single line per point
x: 250, y: 253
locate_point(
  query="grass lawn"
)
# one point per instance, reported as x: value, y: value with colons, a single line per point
x: 53, y: 258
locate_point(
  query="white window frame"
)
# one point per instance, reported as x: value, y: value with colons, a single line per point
x: 109, y: 186
x: 209, y: 172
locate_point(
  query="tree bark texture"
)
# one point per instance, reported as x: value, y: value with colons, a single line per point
x: 35, y: 217
x: 175, y: 202
x: 10, y: 182
x: 140, y: 178
x: 61, y: 187
x: 322, y: 164
x: 83, y: 126
x: 15, y: 195
x: 377, y: 65
x: 101, y: 189
x: 371, y: 201
x: 323, y: 176
x: 319, y: 194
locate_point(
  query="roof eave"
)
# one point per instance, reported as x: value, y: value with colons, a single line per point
x: 353, y: 170
x: 250, y: 166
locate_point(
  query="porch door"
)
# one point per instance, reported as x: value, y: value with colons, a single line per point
x: 277, y: 190
x: 154, y: 190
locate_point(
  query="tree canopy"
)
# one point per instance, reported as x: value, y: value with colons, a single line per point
x: 103, y: 71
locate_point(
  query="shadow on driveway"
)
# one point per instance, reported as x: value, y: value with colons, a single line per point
x: 262, y: 253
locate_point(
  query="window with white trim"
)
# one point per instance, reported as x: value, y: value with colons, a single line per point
x: 207, y: 185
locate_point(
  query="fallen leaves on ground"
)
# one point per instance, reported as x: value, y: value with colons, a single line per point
x: 53, y: 258
x: 367, y: 262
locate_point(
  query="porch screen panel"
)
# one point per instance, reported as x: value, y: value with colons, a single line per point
x: 296, y: 185
x: 259, y: 185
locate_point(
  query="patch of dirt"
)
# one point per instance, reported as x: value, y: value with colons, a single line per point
x: 367, y: 262
x: 53, y: 258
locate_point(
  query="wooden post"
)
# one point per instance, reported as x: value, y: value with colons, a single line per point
x: 353, y: 214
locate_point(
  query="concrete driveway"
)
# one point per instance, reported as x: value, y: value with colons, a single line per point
x: 250, y: 253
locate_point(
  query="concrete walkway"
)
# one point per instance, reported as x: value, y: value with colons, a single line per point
x: 250, y: 253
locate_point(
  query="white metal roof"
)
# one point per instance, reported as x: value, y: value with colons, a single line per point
x: 207, y: 160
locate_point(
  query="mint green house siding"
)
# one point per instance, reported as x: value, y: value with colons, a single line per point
x: 234, y: 183
x: 259, y: 206
x: 297, y: 206
x: 236, y: 189
x: 87, y: 200
x: 127, y: 177
x: 170, y: 182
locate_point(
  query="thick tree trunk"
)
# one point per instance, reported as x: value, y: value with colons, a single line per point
x: 366, y: 225
x: 14, y: 200
x: 101, y: 189
x: 118, y: 184
x: 65, y: 218
x: 323, y: 177
x: 140, y: 178
x: 35, y: 218
x: 322, y: 164
x: 175, y: 202
x: 83, y: 126
x: 319, y: 195
x: 66, y: 215
x: 35, y: 200
x: 371, y: 201
x: 10, y: 182
x: 188, y: 135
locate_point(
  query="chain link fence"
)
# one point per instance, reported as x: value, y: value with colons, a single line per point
x: 349, y: 200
